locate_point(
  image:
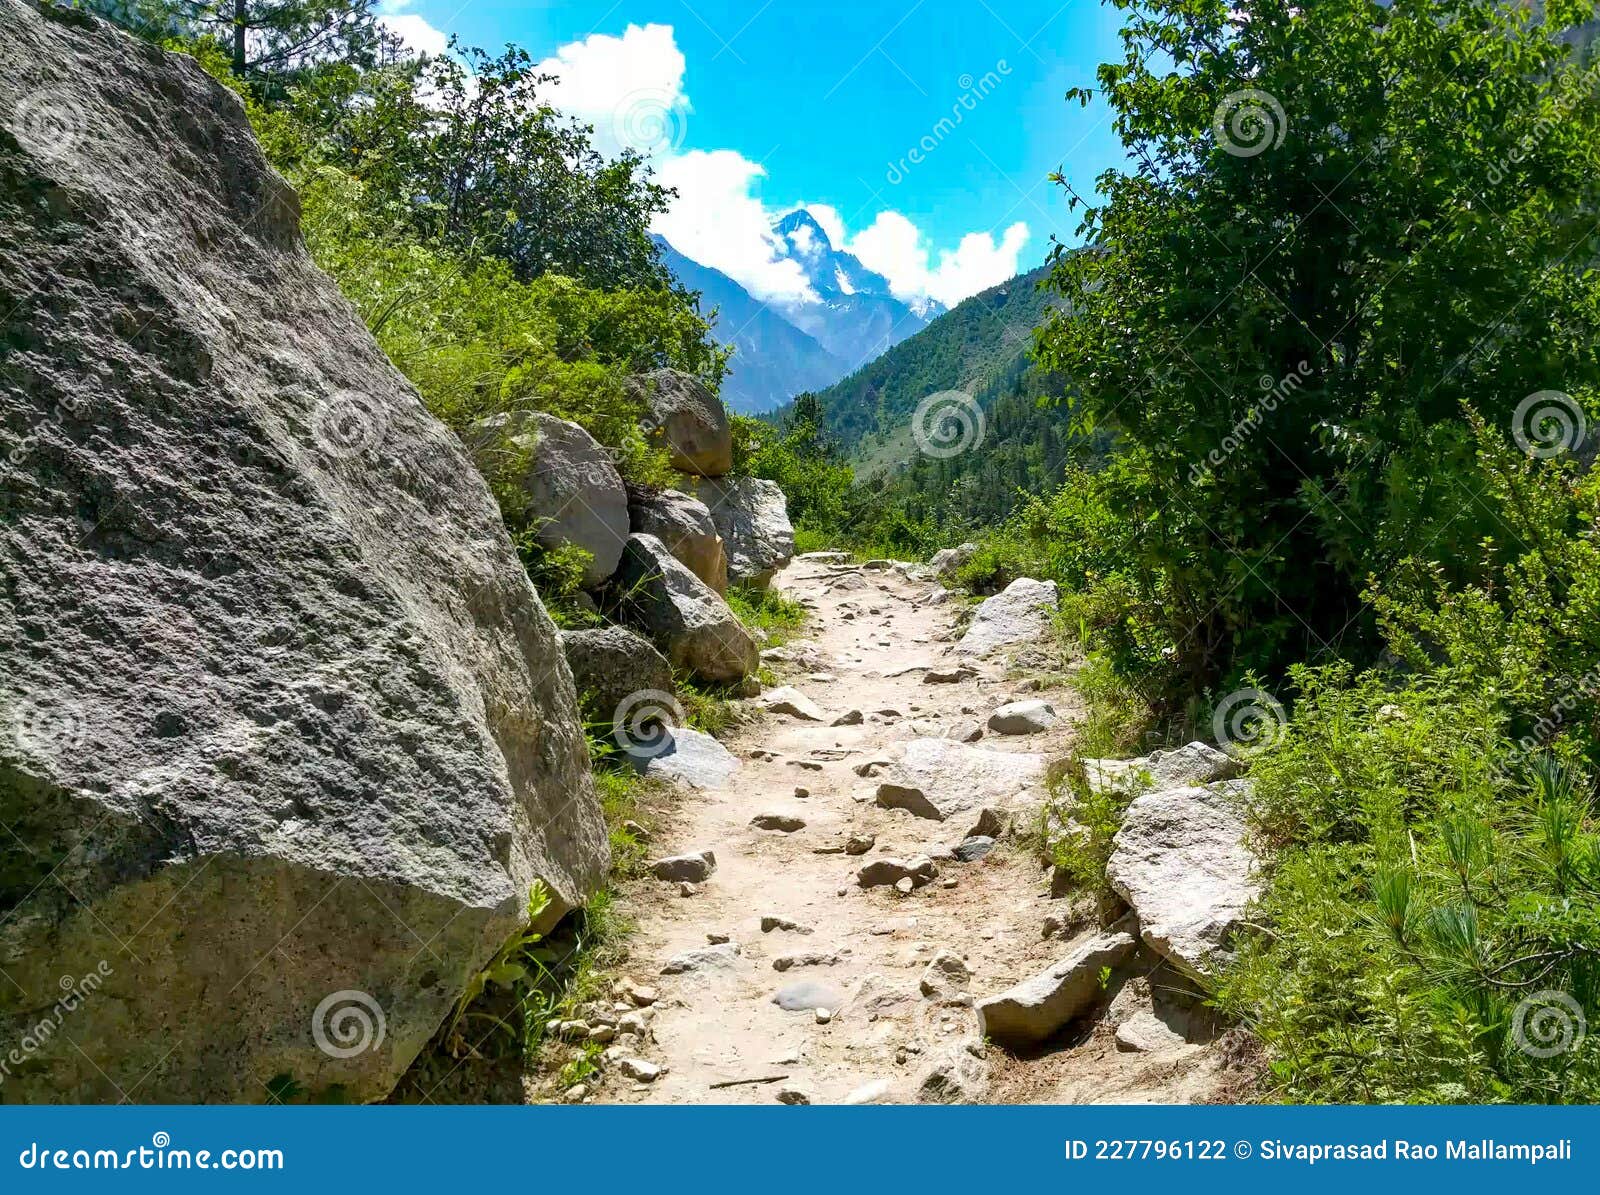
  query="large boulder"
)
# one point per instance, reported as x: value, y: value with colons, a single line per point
x: 1181, y: 862
x: 940, y: 778
x: 682, y: 756
x: 1018, y: 614
x: 571, y: 491
x: 620, y: 676
x: 287, y: 737
x: 682, y: 615
x: 684, y: 525
x: 688, y: 421
x: 1039, y: 1007
x: 753, y: 519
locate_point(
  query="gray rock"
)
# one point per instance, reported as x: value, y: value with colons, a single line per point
x: 849, y: 718
x: 891, y: 871
x: 688, y: 421
x: 860, y: 844
x: 639, y: 1070
x: 1018, y: 614
x: 683, y: 756
x: 806, y: 958
x: 970, y: 850
x: 1180, y: 767
x: 939, y: 778
x: 753, y: 519
x: 786, y: 699
x: 1181, y: 862
x: 783, y: 822
x: 571, y: 491
x: 771, y: 922
x: 610, y: 666
x: 953, y: 675
x: 964, y: 731
x: 947, y: 561
x: 957, y: 1074
x: 695, y: 868
x: 1146, y: 1033
x: 1023, y: 717
x: 1037, y: 1008
x: 279, y: 703
x: 722, y: 957
x: 682, y: 615
x: 683, y: 524
x: 946, y: 976
x: 804, y: 995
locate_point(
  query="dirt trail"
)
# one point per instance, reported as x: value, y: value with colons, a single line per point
x: 866, y: 647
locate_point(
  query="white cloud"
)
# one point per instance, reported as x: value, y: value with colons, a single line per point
x: 411, y: 29
x: 719, y: 221
x: 630, y: 88
x: 894, y: 247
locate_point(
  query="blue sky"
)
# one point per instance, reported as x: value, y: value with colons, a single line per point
x: 752, y: 108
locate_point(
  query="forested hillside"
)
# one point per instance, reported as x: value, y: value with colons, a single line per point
x: 980, y: 346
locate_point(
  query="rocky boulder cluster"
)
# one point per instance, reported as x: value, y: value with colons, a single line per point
x: 658, y: 561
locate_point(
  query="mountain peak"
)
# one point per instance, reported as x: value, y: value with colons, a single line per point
x: 804, y: 235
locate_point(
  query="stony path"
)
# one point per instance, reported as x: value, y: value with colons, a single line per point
x: 861, y: 954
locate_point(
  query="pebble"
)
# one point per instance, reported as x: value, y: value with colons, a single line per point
x: 687, y: 889
x: 638, y: 994
x: 792, y: 1095
x: 639, y: 833
x: 718, y: 939
x: 638, y: 1068
x: 904, y: 886
x: 786, y: 823
x: 850, y: 718
x: 771, y: 922
x: 801, y: 792
x: 575, y: 1094
x: 808, y: 958
x: 602, y: 1034
x: 868, y: 1093
x: 824, y: 1015
x: 860, y: 844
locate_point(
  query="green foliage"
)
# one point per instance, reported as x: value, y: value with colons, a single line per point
x: 1284, y: 341
x: 1433, y: 891
x: 766, y: 611
x: 981, y: 343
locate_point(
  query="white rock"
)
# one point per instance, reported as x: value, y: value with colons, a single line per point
x: 1023, y: 717
x: 939, y: 778
x: 721, y: 957
x: 685, y: 756
x: 1180, y: 767
x: 695, y: 868
x: 1146, y: 1033
x: 1181, y: 863
x: 788, y: 700
x: 875, y: 1092
x: 640, y: 1070
x: 1037, y: 1008
x: 1020, y: 613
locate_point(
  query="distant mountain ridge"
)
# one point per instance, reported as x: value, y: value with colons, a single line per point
x: 980, y: 346
x: 784, y: 348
